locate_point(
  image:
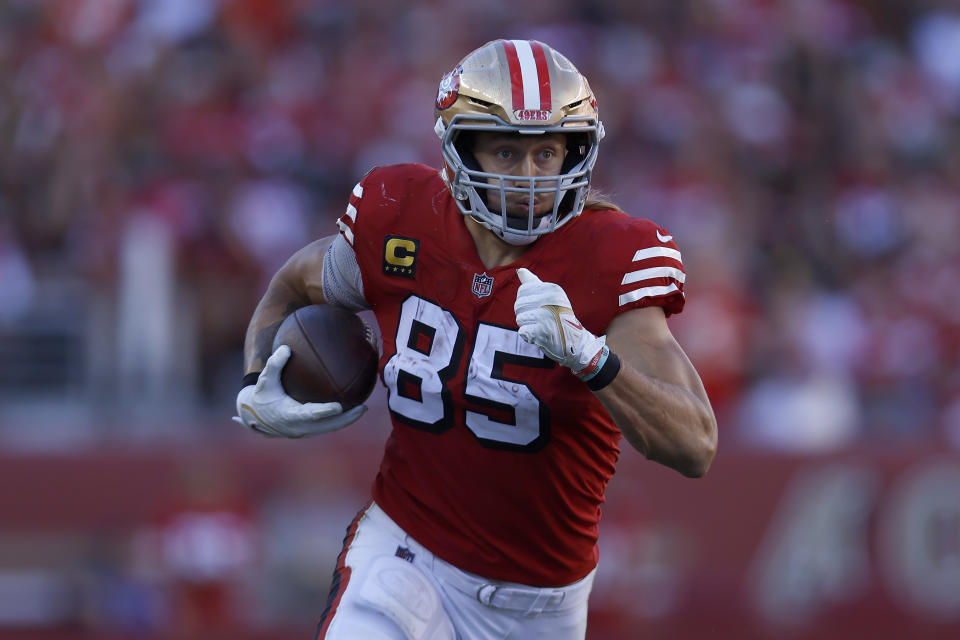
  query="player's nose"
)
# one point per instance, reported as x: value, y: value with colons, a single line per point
x: 529, y: 164
x: 526, y: 166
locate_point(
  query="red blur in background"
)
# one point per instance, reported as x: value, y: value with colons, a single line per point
x: 160, y: 159
x: 856, y: 544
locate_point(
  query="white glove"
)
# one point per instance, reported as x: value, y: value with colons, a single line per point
x: 266, y: 408
x: 546, y: 320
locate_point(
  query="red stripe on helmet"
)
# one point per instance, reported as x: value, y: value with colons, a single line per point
x: 543, y: 74
x: 516, y: 75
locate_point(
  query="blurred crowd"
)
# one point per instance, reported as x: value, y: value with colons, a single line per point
x: 164, y: 157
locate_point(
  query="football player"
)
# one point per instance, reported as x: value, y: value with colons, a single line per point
x: 524, y: 334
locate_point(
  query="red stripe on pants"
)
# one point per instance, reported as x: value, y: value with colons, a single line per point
x: 341, y: 577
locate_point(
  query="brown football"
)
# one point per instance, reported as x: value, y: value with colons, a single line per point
x: 331, y: 359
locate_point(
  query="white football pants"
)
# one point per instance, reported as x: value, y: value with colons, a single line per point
x: 388, y: 587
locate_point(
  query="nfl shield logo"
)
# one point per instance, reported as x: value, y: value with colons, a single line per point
x: 482, y: 285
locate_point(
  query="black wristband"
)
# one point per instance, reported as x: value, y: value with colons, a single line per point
x: 607, y: 373
x: 249, y: 379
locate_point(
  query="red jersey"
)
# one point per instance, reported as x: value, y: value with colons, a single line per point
x: 499, y: 457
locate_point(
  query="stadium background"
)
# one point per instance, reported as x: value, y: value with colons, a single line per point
x: 160, y: 158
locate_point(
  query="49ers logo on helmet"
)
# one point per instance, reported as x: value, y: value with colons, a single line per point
x: 532, y: 114
x: 449, y: 88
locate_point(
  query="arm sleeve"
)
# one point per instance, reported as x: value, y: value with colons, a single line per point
x: 655, y: 275
x: 342, y: 284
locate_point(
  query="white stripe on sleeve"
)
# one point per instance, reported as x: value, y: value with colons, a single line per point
x: 654, y: 272
x: 346, y: 231
x: 656, y: 252
x: 645, y: 292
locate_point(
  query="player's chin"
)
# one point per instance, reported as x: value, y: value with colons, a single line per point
x: 521, y: 222
x: 519, y: 214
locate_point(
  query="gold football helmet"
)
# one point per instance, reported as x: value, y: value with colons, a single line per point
x: 520, y: 86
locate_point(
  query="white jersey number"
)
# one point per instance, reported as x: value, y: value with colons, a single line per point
x: 488, y: 386
x: 427, y: 340
x: 429, y: 344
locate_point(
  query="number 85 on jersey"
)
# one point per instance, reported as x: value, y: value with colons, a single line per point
x: 428, y: 362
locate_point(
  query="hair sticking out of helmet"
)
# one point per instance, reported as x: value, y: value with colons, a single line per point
x: 517, y: 87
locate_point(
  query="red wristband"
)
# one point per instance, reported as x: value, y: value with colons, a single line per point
x: 596, y: 363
